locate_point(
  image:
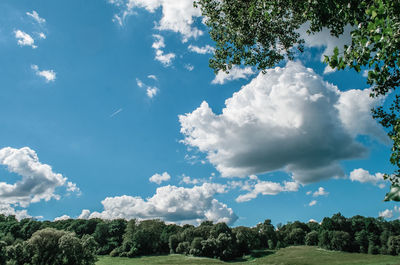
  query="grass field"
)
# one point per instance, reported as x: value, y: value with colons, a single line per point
x: 299, y: 255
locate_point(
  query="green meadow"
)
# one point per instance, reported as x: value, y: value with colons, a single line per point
x: 297, y: 255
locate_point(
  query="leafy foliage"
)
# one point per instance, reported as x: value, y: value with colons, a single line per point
x: 58, y: 243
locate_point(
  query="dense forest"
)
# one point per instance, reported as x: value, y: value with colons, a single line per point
x: 78, y: 241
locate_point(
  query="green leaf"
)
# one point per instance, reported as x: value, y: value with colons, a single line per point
x: 393, y: 194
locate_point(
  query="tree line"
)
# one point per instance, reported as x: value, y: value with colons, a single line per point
x: 78, y: 241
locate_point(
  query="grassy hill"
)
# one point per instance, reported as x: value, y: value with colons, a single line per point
x: 299, y: 255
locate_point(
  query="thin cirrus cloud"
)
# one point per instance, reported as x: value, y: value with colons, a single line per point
x: 38, y: 181
x: 115, y: 113
x: 286, y: 119
x: 177, y: 16
x: 48, y: 75
x: 171, y: 204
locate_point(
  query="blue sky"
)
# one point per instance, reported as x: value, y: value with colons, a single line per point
x: 109, y: 109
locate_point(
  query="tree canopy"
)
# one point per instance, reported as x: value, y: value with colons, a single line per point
x: 263, y: 33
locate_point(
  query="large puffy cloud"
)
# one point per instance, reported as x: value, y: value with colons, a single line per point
x: 286, y: 119
x: 39, y: 181
x: 177, y: 16
x: 170, y: 203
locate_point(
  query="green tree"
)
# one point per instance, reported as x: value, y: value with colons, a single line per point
x: 394, y: 245
x: 296, y: 236
x: 340, y: 240
x: 51, y: 246
x: 312, y: 238
x: 17, y: 254
x: 3, y: 252
x: 266, y: 231
x: 262, y: 33
x: 361, y: 239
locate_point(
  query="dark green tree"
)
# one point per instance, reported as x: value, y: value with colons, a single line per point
x: 312, y: 238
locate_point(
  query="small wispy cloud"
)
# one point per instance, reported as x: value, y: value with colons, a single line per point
x: 312, y: 203
x: 189, y: 67
x: 320, y: 192
x: 36, y: 17
x: 115, y: 112
x: 49, y: 75
x: 42, y: 35
x: 151, y: 91
x: 152, y: 77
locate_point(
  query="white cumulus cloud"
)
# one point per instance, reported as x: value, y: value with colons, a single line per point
x: 49, y: 75
x: 177, y: 16
x: 38, y: 182
x: 234, y: 73
x: 363, y: 176
x: 386, y: 214
x: 85, y: 214
x: 320, y: 192
x: 158, y: 178
x: 201, y: 50
x: 286, y: 119
x: 62, y: 218
x: 267, y: 188
x: 172, y: 204
x: 6, y: 209
x: 158, y: 45
x: 24, y: 39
